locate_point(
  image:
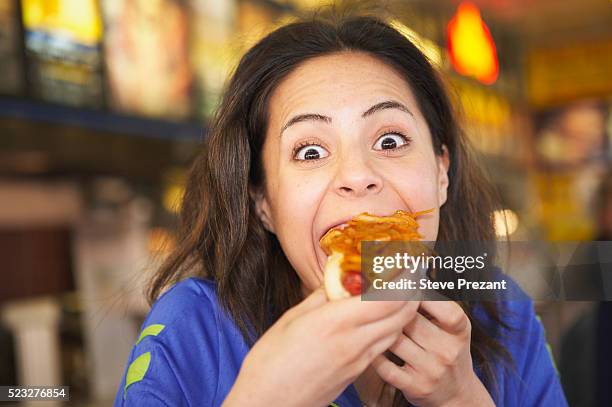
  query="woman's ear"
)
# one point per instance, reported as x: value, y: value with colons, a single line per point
x: 262, y: 209
x: 443, y: 166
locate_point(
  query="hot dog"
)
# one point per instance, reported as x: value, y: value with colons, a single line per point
x: 342, y: 274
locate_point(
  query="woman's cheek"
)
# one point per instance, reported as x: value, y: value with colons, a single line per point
x: 419, y: 190
x: 297, y: 200
x: 428, y: 227
x: 297, y: 205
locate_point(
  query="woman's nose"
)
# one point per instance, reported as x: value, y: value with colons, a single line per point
x: 356, y: 178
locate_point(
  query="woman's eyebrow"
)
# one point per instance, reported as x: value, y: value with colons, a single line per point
x: 306, y: 117
x: 387, y: 104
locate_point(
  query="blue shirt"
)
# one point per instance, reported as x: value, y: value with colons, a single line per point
x: 190, y: 351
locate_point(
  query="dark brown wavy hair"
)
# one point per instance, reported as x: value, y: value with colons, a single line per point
x: 221, y: 237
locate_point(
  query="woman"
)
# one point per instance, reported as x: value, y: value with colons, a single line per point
x: 323, y: 120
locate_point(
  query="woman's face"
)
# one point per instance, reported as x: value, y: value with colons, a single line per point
x: 345, y: 136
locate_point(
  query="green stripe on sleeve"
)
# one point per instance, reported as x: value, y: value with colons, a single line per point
x: 333, y: 405
x: 548, y: 347
x: 137, y: 370
x: 552, y: 358
x: 151, y: 330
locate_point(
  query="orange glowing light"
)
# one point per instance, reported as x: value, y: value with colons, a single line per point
x: 471, y: 47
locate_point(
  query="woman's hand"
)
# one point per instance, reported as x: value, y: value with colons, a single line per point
x: 438, y: 367
x: 316, y: 349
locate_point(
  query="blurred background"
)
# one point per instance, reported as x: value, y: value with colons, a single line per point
x: 104, y: 103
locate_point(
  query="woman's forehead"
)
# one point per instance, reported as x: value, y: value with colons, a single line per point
x: 347, y: 82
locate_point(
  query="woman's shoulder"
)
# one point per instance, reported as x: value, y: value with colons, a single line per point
x: 516, y: 312
x: 531, y: 377
x: 186, y: 309
x: 188, y: 294
x: 188, y: 351
x: 191, y: 306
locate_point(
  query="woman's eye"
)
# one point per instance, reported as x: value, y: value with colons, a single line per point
x: 391, y: 141
x: 310, y: 152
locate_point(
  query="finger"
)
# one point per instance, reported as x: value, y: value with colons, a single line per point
x: 379, y: 347
x: 315, y: 300
x: 354, y: 311
x: 411, y: 353
x: 448, y: 315
x: 399, y: 377
x: 385, y: 327
x: 441, y: 348
x: 424, y: 333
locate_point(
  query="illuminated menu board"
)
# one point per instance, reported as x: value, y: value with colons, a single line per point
x: 212, y: 53
x: 11, y: 78
x: 62, y: 42
x: 147, y: 57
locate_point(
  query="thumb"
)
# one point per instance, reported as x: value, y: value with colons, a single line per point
x: 316, y: 299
